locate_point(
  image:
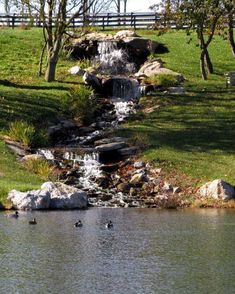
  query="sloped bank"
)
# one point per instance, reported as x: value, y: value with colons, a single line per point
x: 139, y: 182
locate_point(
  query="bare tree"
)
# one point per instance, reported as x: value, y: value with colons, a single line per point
x: 56, y: 16
x: 229, y: 6
x: 200, y: 16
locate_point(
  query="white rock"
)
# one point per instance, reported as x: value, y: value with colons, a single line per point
x: 168, y: 188
x: 217, y: 189
x: 51, y: 195
x: 156, y: 69
x: 65, y: 197
x: 35, y: 199
x: 35, y: 157
x: 124, y: 33
x: 76, y: 70
x: 150, y: 68
x: 138, y: 178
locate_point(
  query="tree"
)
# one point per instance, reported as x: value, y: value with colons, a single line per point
x: 200, y: 16
x: 6, y: 6
x: 229, y: 6
x: 56, y: 17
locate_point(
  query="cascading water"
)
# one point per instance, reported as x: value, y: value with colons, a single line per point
x: 112, y: 60
x: 85, y: 171
x: 89, y: 168
x: 123, y: 109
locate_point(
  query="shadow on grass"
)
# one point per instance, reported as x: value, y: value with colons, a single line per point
x: 36, y: 107
x: 202, y: 122
x: 33, y: 87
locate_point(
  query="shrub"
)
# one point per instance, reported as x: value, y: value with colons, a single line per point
x: 26, y: 134
x: 82, y: 104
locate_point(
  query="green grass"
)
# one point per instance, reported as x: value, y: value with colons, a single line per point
x: 25, y: 96
x: 13, y: 176
x: 192, y: 133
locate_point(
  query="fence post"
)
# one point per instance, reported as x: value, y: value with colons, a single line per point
x: 103, y: 23
x: 134, y: 22
x: 108, y: 20
x: 13, y: 21
x: 131, y: 19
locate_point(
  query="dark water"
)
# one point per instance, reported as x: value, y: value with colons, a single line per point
x: 148, y: 251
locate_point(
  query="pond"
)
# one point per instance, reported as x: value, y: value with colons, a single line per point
x: 147, y: 251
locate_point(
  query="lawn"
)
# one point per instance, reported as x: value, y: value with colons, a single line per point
x: 192, y: 133
x: 25, y: 96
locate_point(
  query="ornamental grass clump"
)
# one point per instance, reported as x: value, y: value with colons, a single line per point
x: 82, y: 104
x: 40, y: 167
x: 26, y: 134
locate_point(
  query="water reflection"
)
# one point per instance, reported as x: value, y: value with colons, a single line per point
x: 148, y: 251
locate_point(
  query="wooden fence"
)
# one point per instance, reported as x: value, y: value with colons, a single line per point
x: 104, y: 21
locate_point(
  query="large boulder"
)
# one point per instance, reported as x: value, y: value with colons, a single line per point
x: 150, y: 67
x: 141, y: 45
x: 65, y: 197
x: 50, y: 196
x: 110, y: 147
x: 125, y: 33
x: 217, y: 189
x: 35, y: 199
x: 155, y: 67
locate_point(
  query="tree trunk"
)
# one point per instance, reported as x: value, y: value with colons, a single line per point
x: 208, y: 62
x: 125, y: 2
x: 230, y: 33
x: 202, y: 65
x: 50, y: 71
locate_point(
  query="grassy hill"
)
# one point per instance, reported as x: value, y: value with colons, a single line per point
x: 191, y: 135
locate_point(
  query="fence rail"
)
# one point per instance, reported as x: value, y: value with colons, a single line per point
x: 129, y: 20
x: 108, y: 20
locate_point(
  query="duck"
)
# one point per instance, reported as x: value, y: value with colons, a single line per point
x: 15, y: 215
x: 33, y: 222
x: 109, y: 225
x: 78, y: 224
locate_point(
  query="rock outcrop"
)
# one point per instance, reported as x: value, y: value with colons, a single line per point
x: 138, y: 48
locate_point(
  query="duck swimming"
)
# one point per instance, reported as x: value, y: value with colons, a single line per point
x: 33, y: 222
x: 109, y: 225
x: 78, y: 224
x: 15, y: 215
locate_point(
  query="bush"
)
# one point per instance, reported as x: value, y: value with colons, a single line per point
x: 82, y: 104
x: 26, y: 134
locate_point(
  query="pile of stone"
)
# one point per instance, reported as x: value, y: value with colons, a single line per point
x: 137, y: 184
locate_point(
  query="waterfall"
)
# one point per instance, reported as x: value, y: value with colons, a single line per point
x: 112, y: 60
x: 89, y: 168
x: 122, y: 108
x: 47, y: 153
x: 125, y: 88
